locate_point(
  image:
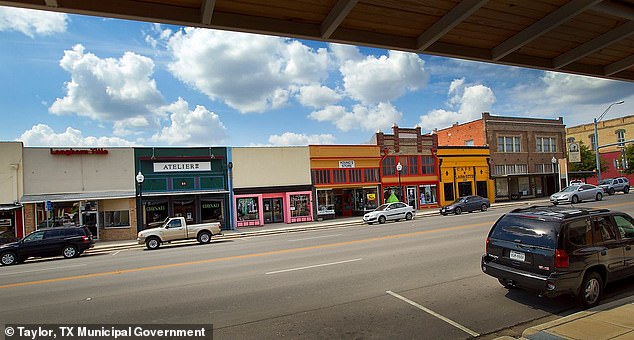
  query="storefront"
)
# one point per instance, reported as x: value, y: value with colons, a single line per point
x: 11, y: 223
x: 271, y: 185
x: 11, y: 188
x: 464, y: 171
x: 346, y: 179
x: 182, y: 182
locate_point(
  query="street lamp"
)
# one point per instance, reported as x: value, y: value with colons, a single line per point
x: 554, y: 161
x: 139, y: 179
x: 596, y: 139
x: 399, y: 168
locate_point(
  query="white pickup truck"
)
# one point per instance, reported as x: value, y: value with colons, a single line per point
x: 176, y: 228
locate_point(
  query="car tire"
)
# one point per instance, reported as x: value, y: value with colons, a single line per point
x: 8, y: 258
x: 204, y: 237
x: 381, y: 219
x: 370, y: 223
x: 484, y: 207
x: 591, y: 290
x: 152, y: 243
x: 409, y: 216
x: 599, y: 196
x: 458, y: 211
x: 574, y: 200
x: 611, y: 191
x: 69, y: 251
x: 626, y: 190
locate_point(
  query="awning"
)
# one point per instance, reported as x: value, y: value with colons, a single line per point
x: 82, y: 196
x: 6, y: 207
x: 187, y: 192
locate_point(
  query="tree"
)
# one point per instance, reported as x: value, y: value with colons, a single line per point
x: 629, y: 159
x: 588, y: 161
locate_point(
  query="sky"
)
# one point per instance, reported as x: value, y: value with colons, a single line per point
x: 81, y: 81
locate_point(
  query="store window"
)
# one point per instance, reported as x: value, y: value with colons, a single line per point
x: 7, y: 227
x: 427, y: 194
x: 186, y: 209
x: 371, y: 175
x: 448, y: 189
x: 211, y: 211
x: 428, y: 165
x: 413, y: 165
x: 365, y: 199
x: 300, y: 205
x: 248, y: 209
x: 389, y: 166
x: 325, y: 203
x: 156, y: 213
x: 116, y: 219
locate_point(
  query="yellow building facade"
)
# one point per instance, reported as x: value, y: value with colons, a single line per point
x: 464, y: 170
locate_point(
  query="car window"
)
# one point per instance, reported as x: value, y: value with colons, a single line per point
x: 625, y: 226
x: 174, y: 224
x: 586, y: 187
x: 526, y: 230
x: 578, y: 234
x: 37, y: 236
x: 56, y: 233
x: 400, y: 205
x: 603, y: 230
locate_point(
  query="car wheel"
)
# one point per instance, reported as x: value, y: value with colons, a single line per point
x: 599, y: 196
x: 70, y: 251
x: 611, y: 191
x: 626, y: 190
x: 484, y: 207
x: 204, y: 237
x: 381, y: 219
x: 409, y: 216
x: 458, y: 211
x: 574, y: 200
x: 8, y: 258
x: 370, y: 223
x: 506, y: 284
x: 152, y: 243
x: 591, y: 290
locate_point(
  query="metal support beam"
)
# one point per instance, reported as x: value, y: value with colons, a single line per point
x: 457, y: 14
x: 619, y: 66
x: 622, y: 32
x: 546, y: 24
x: 207, y: 11
x: 336, y: 17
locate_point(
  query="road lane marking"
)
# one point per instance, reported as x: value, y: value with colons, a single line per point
x: 313, y: 266
x: 245, y: 256
x: 431, y: 312
x: 41, y: 270
x: 312, y: 238
x: 115, y: 253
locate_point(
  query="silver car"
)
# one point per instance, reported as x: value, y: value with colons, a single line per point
x: 390, y: 211
x: 577, y: 193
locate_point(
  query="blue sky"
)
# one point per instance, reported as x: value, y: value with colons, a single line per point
x: 70, y: 80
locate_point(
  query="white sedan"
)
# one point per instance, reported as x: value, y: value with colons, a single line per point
x: 390, y: 211
x: 577, y: 193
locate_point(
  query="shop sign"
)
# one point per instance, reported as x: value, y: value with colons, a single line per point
x: 155, y: 208
x: 182, y: 166
x: 371, y: 197
x: 346, y: 164
x: 214, y: 205
x: 71, y: 151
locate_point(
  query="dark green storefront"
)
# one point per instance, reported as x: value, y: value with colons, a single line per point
x: 188, y: 182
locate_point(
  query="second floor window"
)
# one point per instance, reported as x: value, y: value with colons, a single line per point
x: 509, y: 144
x: 592, y: 142
x: 620, y: 137
x: 389, y: 166
x: 428, y: 165
x: 546, y: 144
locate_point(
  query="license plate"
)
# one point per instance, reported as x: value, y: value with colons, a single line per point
x: 518, y: 256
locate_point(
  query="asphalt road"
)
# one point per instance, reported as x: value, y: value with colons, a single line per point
x: 408, y: 279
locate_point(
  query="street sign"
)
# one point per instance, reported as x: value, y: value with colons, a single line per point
x: 49, y: 206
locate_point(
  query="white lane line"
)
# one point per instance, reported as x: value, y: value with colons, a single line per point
x: 116, y: 252
x: 40, y: 270
x: 312, y: 238
x: 431, y: 312
x: 314, y: 266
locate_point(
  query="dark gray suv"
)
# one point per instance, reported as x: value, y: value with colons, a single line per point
x: 66, y: 241
x: 561, y: 250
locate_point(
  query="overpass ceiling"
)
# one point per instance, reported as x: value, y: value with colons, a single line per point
x: 588, y: 37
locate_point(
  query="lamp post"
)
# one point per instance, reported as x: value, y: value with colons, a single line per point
x: 554, y: 161
x: 596, y: 139
x: 399, y: 168
x: 139, y: 179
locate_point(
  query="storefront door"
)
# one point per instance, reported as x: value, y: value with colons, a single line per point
x: 347, y: 203
x: 273, y: 210
x: 464, y: 189
x: 411, y: 197
x: 89, y: 219
x: 185, y: 208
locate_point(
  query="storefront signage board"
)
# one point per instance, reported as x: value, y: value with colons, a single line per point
x: 346, y: 164
x: 182, y: 166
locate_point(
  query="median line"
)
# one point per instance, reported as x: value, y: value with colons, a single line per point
x: 313, y: 266
x: 237, y: 257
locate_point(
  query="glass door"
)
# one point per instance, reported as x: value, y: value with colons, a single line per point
x: 91, y: 221
x: 411, y: 196
x: 273, y: 210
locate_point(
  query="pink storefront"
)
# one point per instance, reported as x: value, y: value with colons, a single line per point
x: 264, y: 208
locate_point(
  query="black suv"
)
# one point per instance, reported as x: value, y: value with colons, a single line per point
x: 561, y: 250
x: 66, y: 241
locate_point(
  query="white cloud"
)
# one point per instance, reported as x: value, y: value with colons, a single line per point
x: 108, y: 89
x: 367, y: 118
x: 343, y: 53
x: 44, y: 135
x: 290, y: 138
x: 316, y: 96
x: 251, y: 73
x: 32, y: 22
x: 190, y: 128
x: 131, y: 126
x: 468, y: 101
x: 383, y: 79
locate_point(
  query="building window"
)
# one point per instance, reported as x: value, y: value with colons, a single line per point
x: 620, y: 137
x: 469, y: 142
x: 371, y: 175
x: 248, y: 209
x: 321, y: 176
x: 325, y: 202
x: 592, y: 141
x: 356, y: 176
x: 413, y: 165
x: 211, y: 211
x: 500, y: 169
x: 509, y: 144
x: 116, y: 219
x: 155, y: 213
x: 510, y: 169
x: 389, y: 166
x: 427, y: 194
x: 428, y: 165
x: 300, y: 205
x: 546, y: 144
x: 570, y: 140
x: 339, y: 176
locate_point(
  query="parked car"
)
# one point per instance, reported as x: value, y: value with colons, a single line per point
x: 66, y: 241
x: 466, y: 203
x: 176, y: 228
x: 612, y: 185
x: 577, y: 193
x: 390, y: 211
x: 561, y: 250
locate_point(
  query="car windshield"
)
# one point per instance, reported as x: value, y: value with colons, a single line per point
x: 526, y: 230
x: 381, y: 207
x: 570, y: 188
x: 460, y: 200
x: 606, y: 181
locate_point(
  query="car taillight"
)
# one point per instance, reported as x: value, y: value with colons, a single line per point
x: 85, y: 238
x: 487, y: 246
x: 561, y: 259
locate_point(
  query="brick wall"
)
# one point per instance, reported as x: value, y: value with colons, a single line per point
x: 458, y: 134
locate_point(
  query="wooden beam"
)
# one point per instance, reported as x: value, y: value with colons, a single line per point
x: 336, y: 16
x: 615, y: 9
x: 595, y: 44
x: 619, y: 66
x: 207, y: 11
x: 543, y: 26
x: 51, y: 3
x: 457, y: 14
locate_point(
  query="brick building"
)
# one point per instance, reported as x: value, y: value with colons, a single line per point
x: 522, y: 151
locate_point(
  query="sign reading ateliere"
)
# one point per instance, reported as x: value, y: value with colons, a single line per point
x: 182, y: 166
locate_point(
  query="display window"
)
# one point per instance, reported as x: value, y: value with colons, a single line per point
x: 325, y: 202
x: 211, y: 211
x: 300, y: 205
x: 248, y: 209
x: 428, y: 194
x: 155, y: 213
